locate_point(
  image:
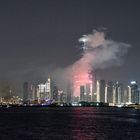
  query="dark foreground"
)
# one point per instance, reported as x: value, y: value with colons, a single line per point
x: 79, y: 123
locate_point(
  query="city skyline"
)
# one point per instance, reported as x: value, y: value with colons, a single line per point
x: 38, y: 37
x: 110, y: 93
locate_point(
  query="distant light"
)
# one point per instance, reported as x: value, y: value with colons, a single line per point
x: 83, y: 39
x: 75, y: 104
x: 133, y: 82
x: 80, y: 104
x: 119, y: 106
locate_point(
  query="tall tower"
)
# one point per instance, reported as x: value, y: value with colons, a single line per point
x: 48, y: 89
x: 110, y: 92
x: 134, y: 92
x: 94, y: 84
x: 55, y: 93
x: 106, y: 94
x: 129, y: 94
x: 82, y: 93
x: 98, y: 91
x: 102, y: 91
x: 88, y: 91
x: 69, y: 94
x: 117, y: 93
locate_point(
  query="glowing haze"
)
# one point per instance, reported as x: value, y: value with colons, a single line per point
x: 98, y: 53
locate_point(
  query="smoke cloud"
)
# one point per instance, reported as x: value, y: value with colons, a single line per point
x: 98, y: 53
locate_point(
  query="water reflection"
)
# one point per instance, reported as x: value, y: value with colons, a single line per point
x: 81, y: 123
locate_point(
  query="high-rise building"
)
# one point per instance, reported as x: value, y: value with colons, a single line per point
x: 134, y: 92
x: 117, y: 93
x: 125, y: 96
x: 69, y: 93
x: 93, y: 93
x: 48, y: 88
x: 139, y: 94
x: 110, y: 92
x: 44, y: 90
x: 106, y: 93
x: 88, y: 92
x: 102, y: 91
x: 82, y: 93
x: 98, y: 91
x: 129, y: 94
x: 55, y: 93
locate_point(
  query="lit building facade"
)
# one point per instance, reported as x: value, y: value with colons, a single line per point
x: 134, y: 92
x: 117, y: 93
x: 44, y: 90
x: 98, y: 91
x: 110, y: 92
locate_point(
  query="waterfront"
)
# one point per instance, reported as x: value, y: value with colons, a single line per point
x: 78, y: 123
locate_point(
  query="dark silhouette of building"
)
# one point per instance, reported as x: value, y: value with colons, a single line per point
x: 55, y: 93
x: 110, y: 92
x: 102, y: 91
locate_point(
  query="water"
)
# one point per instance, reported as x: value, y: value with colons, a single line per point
x: 79, y: 123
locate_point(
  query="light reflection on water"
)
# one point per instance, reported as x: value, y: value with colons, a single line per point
x: 79, y: 123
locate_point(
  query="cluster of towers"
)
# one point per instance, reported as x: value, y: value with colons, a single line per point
x: 111, y: 92
x: 45, y: 93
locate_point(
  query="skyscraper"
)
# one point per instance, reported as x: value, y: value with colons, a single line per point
x: 117, y: 93
x: 110, y: 92
x: 102, y: 91
x: 134, y: 92
x: 44, y: 90
x: 55, y: 93
x: 129, y: 94
x: 98, y: 91
x: 48, y: 89
x: 82, y: 93
x: 69, y: 93
x: 88, y: 91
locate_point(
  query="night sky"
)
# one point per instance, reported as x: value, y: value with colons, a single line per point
x: 39, y: 36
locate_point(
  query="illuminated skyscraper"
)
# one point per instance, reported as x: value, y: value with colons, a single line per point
x: 48, y: 89
x: 134, y: 92
x: 129, y: 94
x: 44, y: 90
x: 106, y: 94
x: 94, y: 82
x: 117, y: 93
x: 98, y: 91
x: 125, y: 96
x: 110, y: 92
